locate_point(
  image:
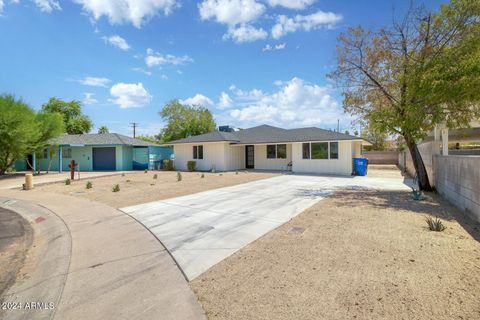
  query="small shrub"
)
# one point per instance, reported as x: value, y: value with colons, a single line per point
x: 221, y: 174
x: 128, y: 180
x: 179, y: 176
x: 236, y: 172
x: 89, y: 185
x: 67, y: 181
x: 145, y: 171
x: 123, y: 174
x: 435, y: 224
x: 116, y: 188
x: 202, y: 176
x: 167, y: 165
x: 191, y: 165
x: 155, y: 176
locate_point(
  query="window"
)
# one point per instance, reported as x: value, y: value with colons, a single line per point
x: 67, y: 153
x: 333, y: 150
x: 281, y: 151
x: 197, y: 152
x: 320, y: 150
x: 306, y: 150
x: 271, y: 151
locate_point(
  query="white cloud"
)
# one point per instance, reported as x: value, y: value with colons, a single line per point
x: 157, y: 59
x: 89, y: 99
x: 270, y: 47
x: 296, y: 103
x: 198, y: 99
x: 230, y: 12
x: 135, y: 12
x: 47, y: 5
x: 117, y: 41
x: 291, y: 4
x: 224, y: 101
x: 130, y: 95
x: 141, y: 70
x: 1, y: 6
x: 245, y: 33
x: 310, y: 22
x: 94, y: 81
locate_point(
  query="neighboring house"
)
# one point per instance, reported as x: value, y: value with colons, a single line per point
x: 100, y: 152
x: 309, y: 150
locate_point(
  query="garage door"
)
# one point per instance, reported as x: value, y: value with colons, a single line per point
x: 104, y: 159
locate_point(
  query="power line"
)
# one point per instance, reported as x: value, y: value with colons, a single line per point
x: 134, y: 125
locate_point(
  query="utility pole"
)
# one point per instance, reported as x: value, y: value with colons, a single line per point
x: 134, y: 125
x: 338, y: 125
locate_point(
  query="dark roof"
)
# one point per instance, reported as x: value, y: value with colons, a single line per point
x: 268, y: 134
x: 100, y: 139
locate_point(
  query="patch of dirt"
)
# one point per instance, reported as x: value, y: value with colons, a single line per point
x: 363, y: 255
x: 16, y: 236
x: 140, y: 187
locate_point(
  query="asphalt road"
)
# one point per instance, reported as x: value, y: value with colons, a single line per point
x: 15, y: 240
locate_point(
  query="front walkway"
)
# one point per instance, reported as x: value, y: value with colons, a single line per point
x: 202, y: 229
x: 113, y: 269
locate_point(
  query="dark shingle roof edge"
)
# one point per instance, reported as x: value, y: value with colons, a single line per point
x: 268, y: 134
x: 90, y: 139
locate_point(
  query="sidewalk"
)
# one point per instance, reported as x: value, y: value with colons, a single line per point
x: 117, y: 268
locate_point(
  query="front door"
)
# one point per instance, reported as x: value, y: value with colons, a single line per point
x: 249, y: 157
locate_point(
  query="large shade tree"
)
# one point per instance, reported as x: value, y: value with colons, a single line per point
x: 422, y: 71
x: 75, y: 121
x: 23, y: 131
x: 185, y: 120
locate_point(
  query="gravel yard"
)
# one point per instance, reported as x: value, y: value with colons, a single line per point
x: 362, y: 255
x: 139, y: 187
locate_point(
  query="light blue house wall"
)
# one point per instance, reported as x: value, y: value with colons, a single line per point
x: 125, y: 157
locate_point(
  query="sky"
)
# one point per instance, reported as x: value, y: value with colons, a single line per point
x: 250, y: 62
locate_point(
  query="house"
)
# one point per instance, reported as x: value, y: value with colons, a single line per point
x: 309, y: 150
x: 99, y: 152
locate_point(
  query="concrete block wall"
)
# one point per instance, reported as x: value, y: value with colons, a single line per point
x: 381, y: 157
x: 457, y: 178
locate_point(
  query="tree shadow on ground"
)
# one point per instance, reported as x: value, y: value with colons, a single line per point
x: 433, y: 205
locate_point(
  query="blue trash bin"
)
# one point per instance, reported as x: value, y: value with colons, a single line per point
x: 360, y: 166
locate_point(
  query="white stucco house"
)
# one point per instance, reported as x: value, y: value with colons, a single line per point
x: 302, y: 150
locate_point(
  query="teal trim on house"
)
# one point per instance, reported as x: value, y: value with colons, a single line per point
x: 129, y: 153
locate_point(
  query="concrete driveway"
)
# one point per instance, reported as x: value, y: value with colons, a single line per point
x: 202, y: 229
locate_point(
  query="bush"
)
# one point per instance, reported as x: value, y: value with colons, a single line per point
x: 236, y: 172
x: 435, y: 224
x: 155, y: 176
x: 145, y: 171
x: 128, y: 180
x: 202, y: 176
x: 179, y: 176
x: 67, y: 181
x: 123, y: 174
x: 89, y: 185
x: 191, y: 165
x: 167, y: 165
x: 116, y: 188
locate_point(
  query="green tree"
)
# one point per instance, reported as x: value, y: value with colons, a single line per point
x: 377, y: 138
x: 149, y: 138
x: 75, y: 121
x: 184, y: 121
x: 24, y: 132
x: 420, y: 72
x: 103, y: 129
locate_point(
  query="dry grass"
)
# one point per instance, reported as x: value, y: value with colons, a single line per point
x: 140, y: 187
x: 363, y: 255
